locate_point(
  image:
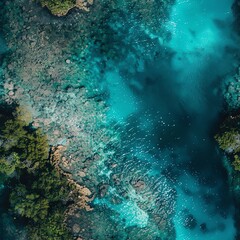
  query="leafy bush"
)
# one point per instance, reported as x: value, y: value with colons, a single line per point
x: 29, y: 145
x: 8, y: 165
x: 28, y: 204
x: 58, y: 7
x: 52, y: 228
x: 52, y: 185
x: 229, y: 141
x: 236, y: 163
x: 38, y: 192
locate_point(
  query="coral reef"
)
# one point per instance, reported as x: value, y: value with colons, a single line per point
x: 55, y: 68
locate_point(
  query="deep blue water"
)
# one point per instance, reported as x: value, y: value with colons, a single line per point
x: 171, y: 106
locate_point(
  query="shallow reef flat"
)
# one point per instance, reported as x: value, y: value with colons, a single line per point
x: 54, y: 68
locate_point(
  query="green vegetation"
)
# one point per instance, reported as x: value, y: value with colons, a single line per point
x: 51, y: 228
x: 229, y: 140
x: 29, y: 205
x: 38, y: 192
x: 58, y: 7
x: 236, y: 163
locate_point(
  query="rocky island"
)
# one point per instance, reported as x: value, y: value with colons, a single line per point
x: 62, y: 7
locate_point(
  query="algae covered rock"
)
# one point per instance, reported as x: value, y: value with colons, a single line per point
x: 62, y: 7
x: 229, y: 141
x: 189, y: 221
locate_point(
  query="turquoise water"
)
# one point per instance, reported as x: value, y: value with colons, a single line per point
x: 164, y: 97
x: 170, y: 107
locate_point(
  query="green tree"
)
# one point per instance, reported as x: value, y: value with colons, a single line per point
x: 34, y: 150
x: 58, y: 7
x: 53, y: 228
x: 229, y: 141
x: 31, y: 145
x: 38, y: 192
x: 12, y: 133
x: 9, y: 164
x: 236, y: 163
x: 52, y: 185
x: 29, y: 205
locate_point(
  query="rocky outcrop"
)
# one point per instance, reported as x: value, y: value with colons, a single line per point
x: 61, y: 8
x: 80, y: 194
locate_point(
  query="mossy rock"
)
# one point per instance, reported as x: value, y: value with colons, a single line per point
x: 62, y: 7
x: 58, y: 7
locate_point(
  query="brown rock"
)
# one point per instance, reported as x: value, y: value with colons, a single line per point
x: 82, y: 174
x: 56, y: 132
x: 85, y: 191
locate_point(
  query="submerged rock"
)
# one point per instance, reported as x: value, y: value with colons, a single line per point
x: 203, y: 227
x: 139, y: 185
x: 189, y: 221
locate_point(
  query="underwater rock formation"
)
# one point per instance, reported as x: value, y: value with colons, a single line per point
x: 56, y: 68
x: 231, y: 91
